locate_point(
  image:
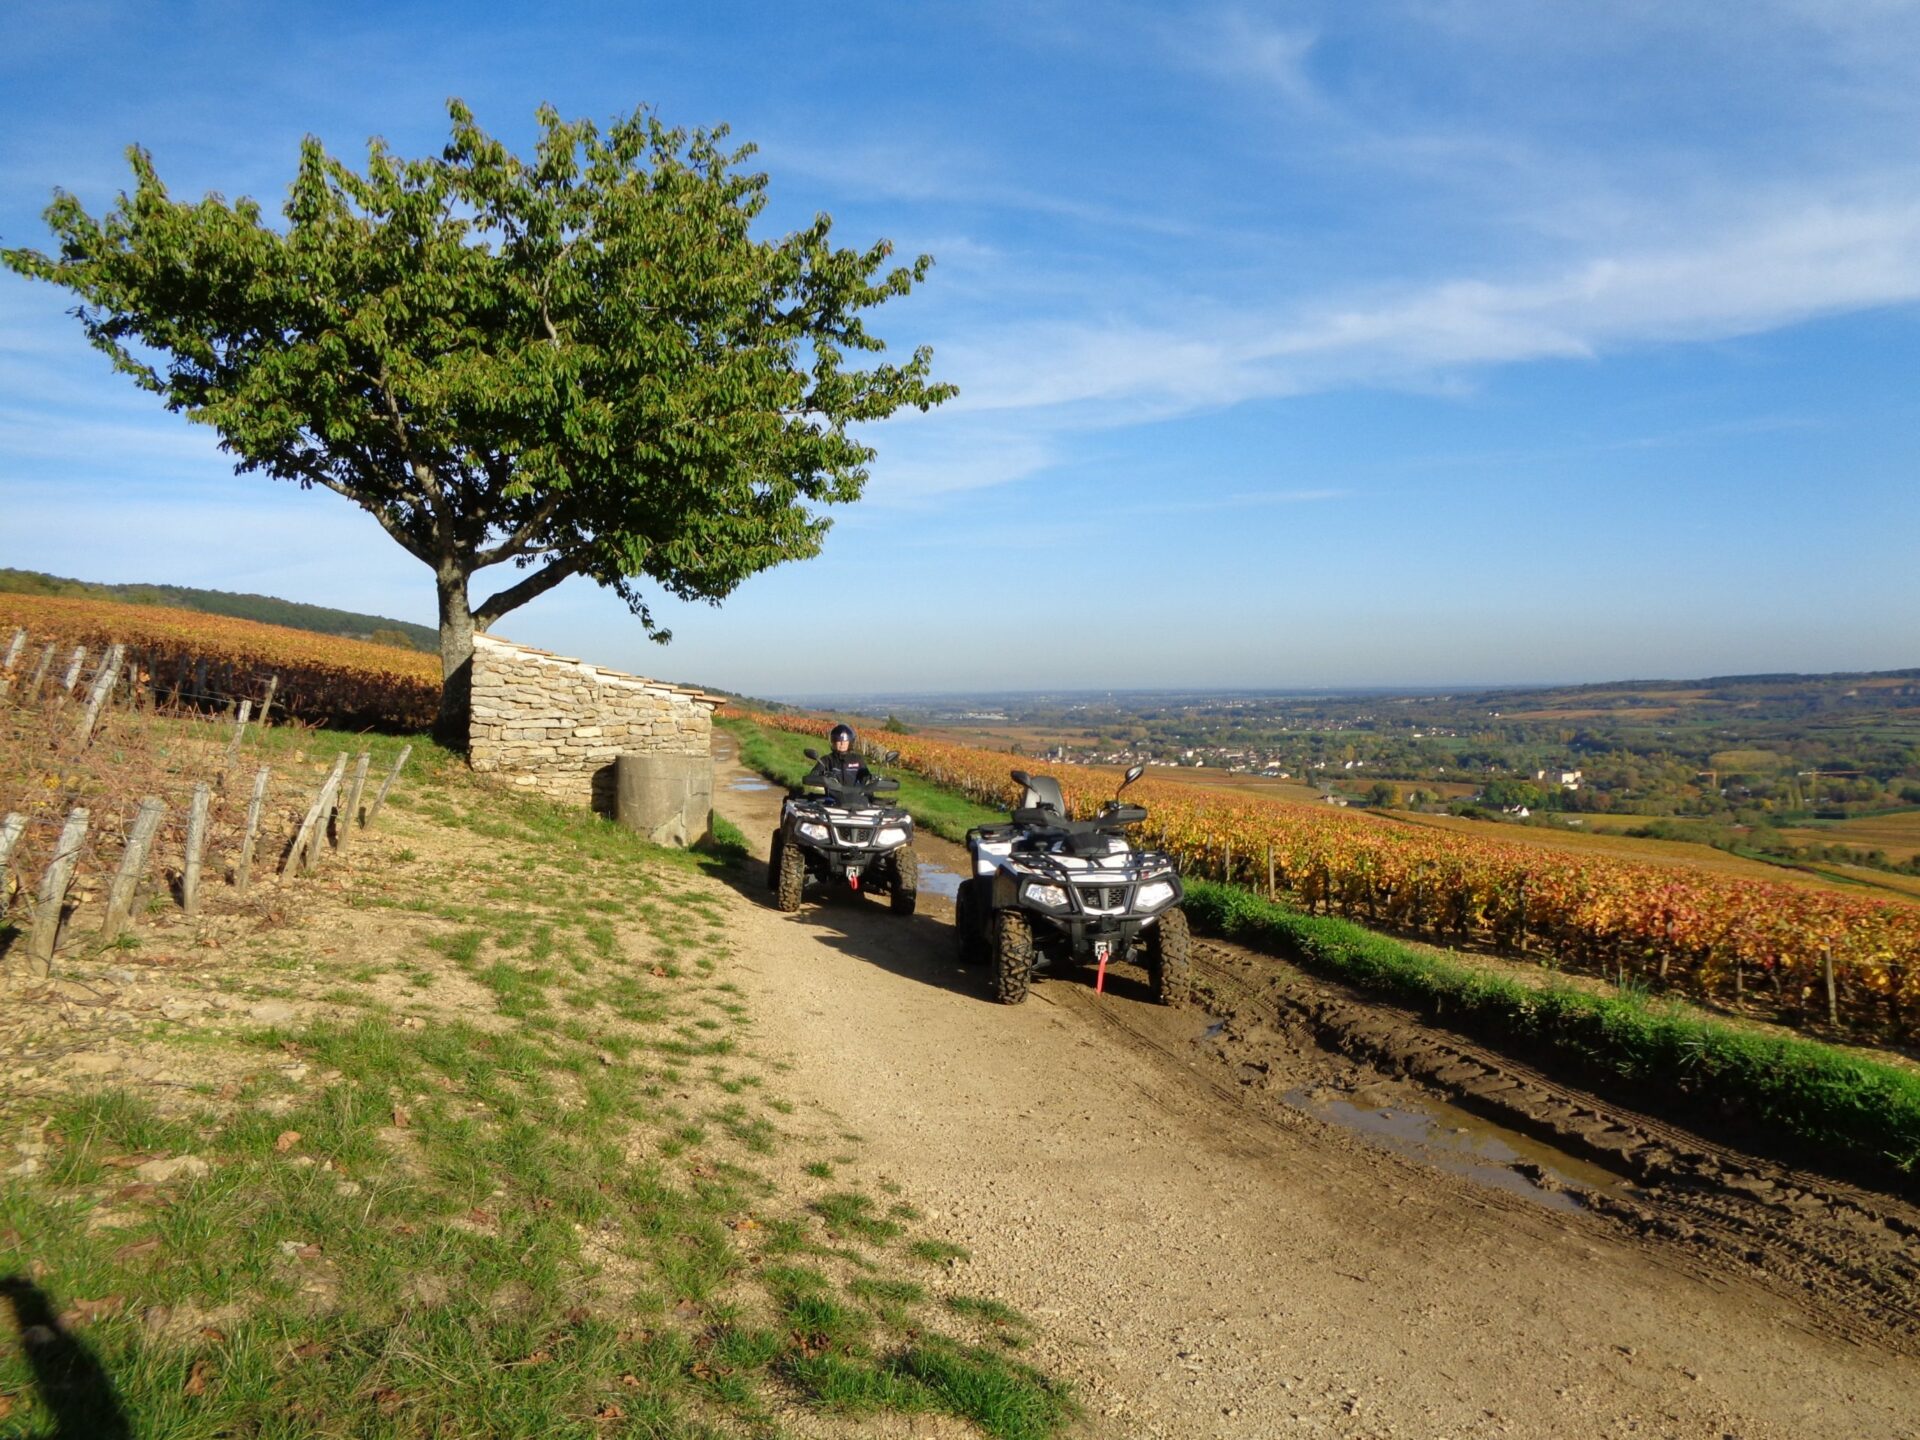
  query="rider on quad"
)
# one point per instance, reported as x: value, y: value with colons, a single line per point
x: 840, y: 764
x: 834, y: 834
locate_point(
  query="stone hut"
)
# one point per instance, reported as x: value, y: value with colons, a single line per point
x: 590, y: 736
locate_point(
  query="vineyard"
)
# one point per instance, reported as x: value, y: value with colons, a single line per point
x: 119, y: 799
x: 188, y: 655
x: 1807, y: 956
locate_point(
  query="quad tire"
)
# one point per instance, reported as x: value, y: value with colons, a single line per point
x: 790, y: 881
x: 967, y: 926
x: 1170, y: 958
x: 773, y: 860
x: 1012, y: 957
x: 906, y: 880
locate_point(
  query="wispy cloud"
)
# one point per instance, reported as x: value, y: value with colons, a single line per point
x: 1820, y: 259
x: 1243, y: 45
x: 923, y: 170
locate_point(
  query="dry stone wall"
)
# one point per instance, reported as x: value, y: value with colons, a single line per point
x: 555, y: 725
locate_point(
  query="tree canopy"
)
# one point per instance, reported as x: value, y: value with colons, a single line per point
x: 584, y: 363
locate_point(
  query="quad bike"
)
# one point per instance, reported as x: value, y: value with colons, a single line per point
x: 1047, y: 891
x: 842, y: 837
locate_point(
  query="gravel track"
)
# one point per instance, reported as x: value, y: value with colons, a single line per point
x: 1205, y: 1256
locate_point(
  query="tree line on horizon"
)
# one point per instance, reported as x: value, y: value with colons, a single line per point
x: 267, y: 609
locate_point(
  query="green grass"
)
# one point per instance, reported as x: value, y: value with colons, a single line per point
x: 541, y: 1220
x: 726, y: 843
x: 1838, y: 1110
x: 1005, y: 1399
x: 777, y: 755
x: 981, y: 1307
x: 848, y: 1213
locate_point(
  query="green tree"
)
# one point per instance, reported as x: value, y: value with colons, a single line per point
x: 1514, y: 793
x: 583, y: 362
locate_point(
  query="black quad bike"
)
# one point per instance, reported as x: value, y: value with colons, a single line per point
x: 1047, y: 891
x: 842, y: 837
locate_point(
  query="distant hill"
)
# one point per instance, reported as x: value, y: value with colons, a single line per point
x: 265, y: 608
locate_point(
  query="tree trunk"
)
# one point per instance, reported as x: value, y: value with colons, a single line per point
x: 456, y: 659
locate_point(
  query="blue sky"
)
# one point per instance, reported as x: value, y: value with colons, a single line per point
x: 1410, y: 343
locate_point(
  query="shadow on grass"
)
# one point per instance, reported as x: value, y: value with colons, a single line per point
x: 74, y: 1387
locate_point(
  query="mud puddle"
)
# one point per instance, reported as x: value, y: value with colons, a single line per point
x: 938, y: 879
x: 1448, y: 1138
x: 745, y: 782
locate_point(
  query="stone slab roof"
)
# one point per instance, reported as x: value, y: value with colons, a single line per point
x: 599, y: 674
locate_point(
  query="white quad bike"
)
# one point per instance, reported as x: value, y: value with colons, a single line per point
x: 842, y: 838
x: 1047, y: 891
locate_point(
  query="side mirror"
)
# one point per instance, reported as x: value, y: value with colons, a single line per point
x: 1134, y: 772
x: 892, y: 757
x: 811, y: 753
x: 1020, y: 777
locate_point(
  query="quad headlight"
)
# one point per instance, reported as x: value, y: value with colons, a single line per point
x: 1047, y: 897
x: 892, y: 835
x: 1153, y: 894
x: 811, y: 830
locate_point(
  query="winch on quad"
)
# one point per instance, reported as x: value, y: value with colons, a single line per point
x: 834, y: 835
x: 1047, y: 891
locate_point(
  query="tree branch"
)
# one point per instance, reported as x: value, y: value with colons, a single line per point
x: 516, y: 543
x: 514, y: 596
x: 422, y: 472
x: 387, y: 522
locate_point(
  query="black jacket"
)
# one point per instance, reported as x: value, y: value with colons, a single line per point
x: 845, y: 769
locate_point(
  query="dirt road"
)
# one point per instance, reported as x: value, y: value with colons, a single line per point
x: 1209, y: 1257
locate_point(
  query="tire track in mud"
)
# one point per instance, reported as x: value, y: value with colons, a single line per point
x: 1849, y: 1257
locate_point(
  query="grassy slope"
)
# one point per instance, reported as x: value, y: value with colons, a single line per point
x: 1831, y: 1103
x: 515, y: 1166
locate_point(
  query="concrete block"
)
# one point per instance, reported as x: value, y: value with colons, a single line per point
x: 667, y: 798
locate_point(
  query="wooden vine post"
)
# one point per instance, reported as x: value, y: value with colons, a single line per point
x: 13, y: 654
x: 305, y: 851
x: 266, y: 705
x: 239, y: 730
x: 102, y: 687
x: 196, y: 849
x: 351, y: 812
x: 133, y: 864
x: 1833, y: 995
x: 75, y: 662
x: 387, y: 784
x: 53, y: 894
x: 11, y: 829
x: 243, y: 875
x: 1272, y: 892
x: 32, y: 689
